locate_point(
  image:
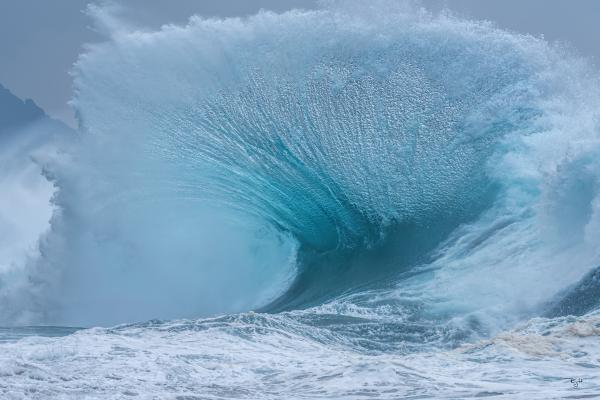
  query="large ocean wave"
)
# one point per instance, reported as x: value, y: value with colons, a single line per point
x: 374, y: 200
x: 415, y: 168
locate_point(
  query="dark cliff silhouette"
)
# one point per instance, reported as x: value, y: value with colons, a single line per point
x: 17, y: 115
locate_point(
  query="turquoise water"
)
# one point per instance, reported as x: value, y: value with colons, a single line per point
x: 356, y: 201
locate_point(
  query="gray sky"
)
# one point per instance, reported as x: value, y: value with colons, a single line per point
x: 40, y: 39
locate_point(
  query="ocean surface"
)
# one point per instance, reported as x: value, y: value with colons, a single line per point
x: 359, y: 201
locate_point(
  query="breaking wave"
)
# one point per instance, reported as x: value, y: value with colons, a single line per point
x: 377, y: 160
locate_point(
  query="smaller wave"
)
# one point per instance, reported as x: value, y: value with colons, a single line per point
x: 579, y: 299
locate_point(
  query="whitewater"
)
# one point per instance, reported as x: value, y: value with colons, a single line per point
x: 358, y: 201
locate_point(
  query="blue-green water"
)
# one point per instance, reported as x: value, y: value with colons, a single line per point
x: 356, y: 201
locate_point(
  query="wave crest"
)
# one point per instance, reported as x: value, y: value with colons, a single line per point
x: 359, y: 139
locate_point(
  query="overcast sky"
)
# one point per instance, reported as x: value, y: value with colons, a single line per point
x: 40, y: 39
